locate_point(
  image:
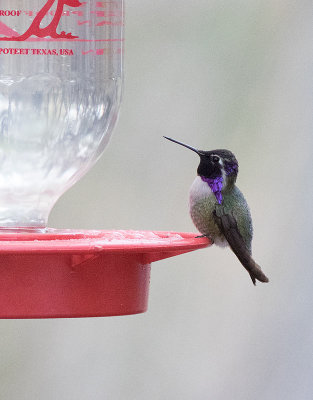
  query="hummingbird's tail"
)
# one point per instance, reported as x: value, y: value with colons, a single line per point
x: 228, y: 226
x: 254, y: 270
x: 248, y: 263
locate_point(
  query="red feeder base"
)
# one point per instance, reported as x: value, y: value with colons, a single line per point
x: 66, y: 274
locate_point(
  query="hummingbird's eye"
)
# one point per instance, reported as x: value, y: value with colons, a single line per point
x: 216, y: 159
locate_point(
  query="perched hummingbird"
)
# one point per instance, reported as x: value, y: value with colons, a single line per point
x: 218, y: 208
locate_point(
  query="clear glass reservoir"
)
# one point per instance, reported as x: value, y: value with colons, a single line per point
x: 60, y: 91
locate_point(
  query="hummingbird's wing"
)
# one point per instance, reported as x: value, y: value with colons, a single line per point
x: 228, y: 226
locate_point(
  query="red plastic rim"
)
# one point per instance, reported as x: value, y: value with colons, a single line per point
x: 72, y: 241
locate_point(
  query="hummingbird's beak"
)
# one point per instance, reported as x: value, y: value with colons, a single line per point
x: 185, y: 145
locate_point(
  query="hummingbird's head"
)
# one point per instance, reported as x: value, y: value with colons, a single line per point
x: 215, y: 164
x: 218, y: 163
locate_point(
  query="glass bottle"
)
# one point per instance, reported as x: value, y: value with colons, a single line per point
x: 60, y: 91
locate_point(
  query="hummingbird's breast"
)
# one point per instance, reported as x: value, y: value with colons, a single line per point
x: 202, y: 203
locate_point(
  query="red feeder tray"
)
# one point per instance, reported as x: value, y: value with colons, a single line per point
x: 64, y: 274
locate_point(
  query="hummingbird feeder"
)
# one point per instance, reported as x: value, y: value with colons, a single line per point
x: 60, y: 90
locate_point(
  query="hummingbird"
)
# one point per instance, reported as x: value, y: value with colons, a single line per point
x: 218, y: 208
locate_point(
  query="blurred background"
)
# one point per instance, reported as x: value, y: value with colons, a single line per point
x: 213, y: 74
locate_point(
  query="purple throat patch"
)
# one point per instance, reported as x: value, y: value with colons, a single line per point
x: 231, y: 168
x: 216, y: 185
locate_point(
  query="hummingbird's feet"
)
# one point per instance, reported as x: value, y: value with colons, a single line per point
x: 206, y: 236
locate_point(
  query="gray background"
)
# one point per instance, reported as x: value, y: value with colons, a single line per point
x: 233, y: 74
